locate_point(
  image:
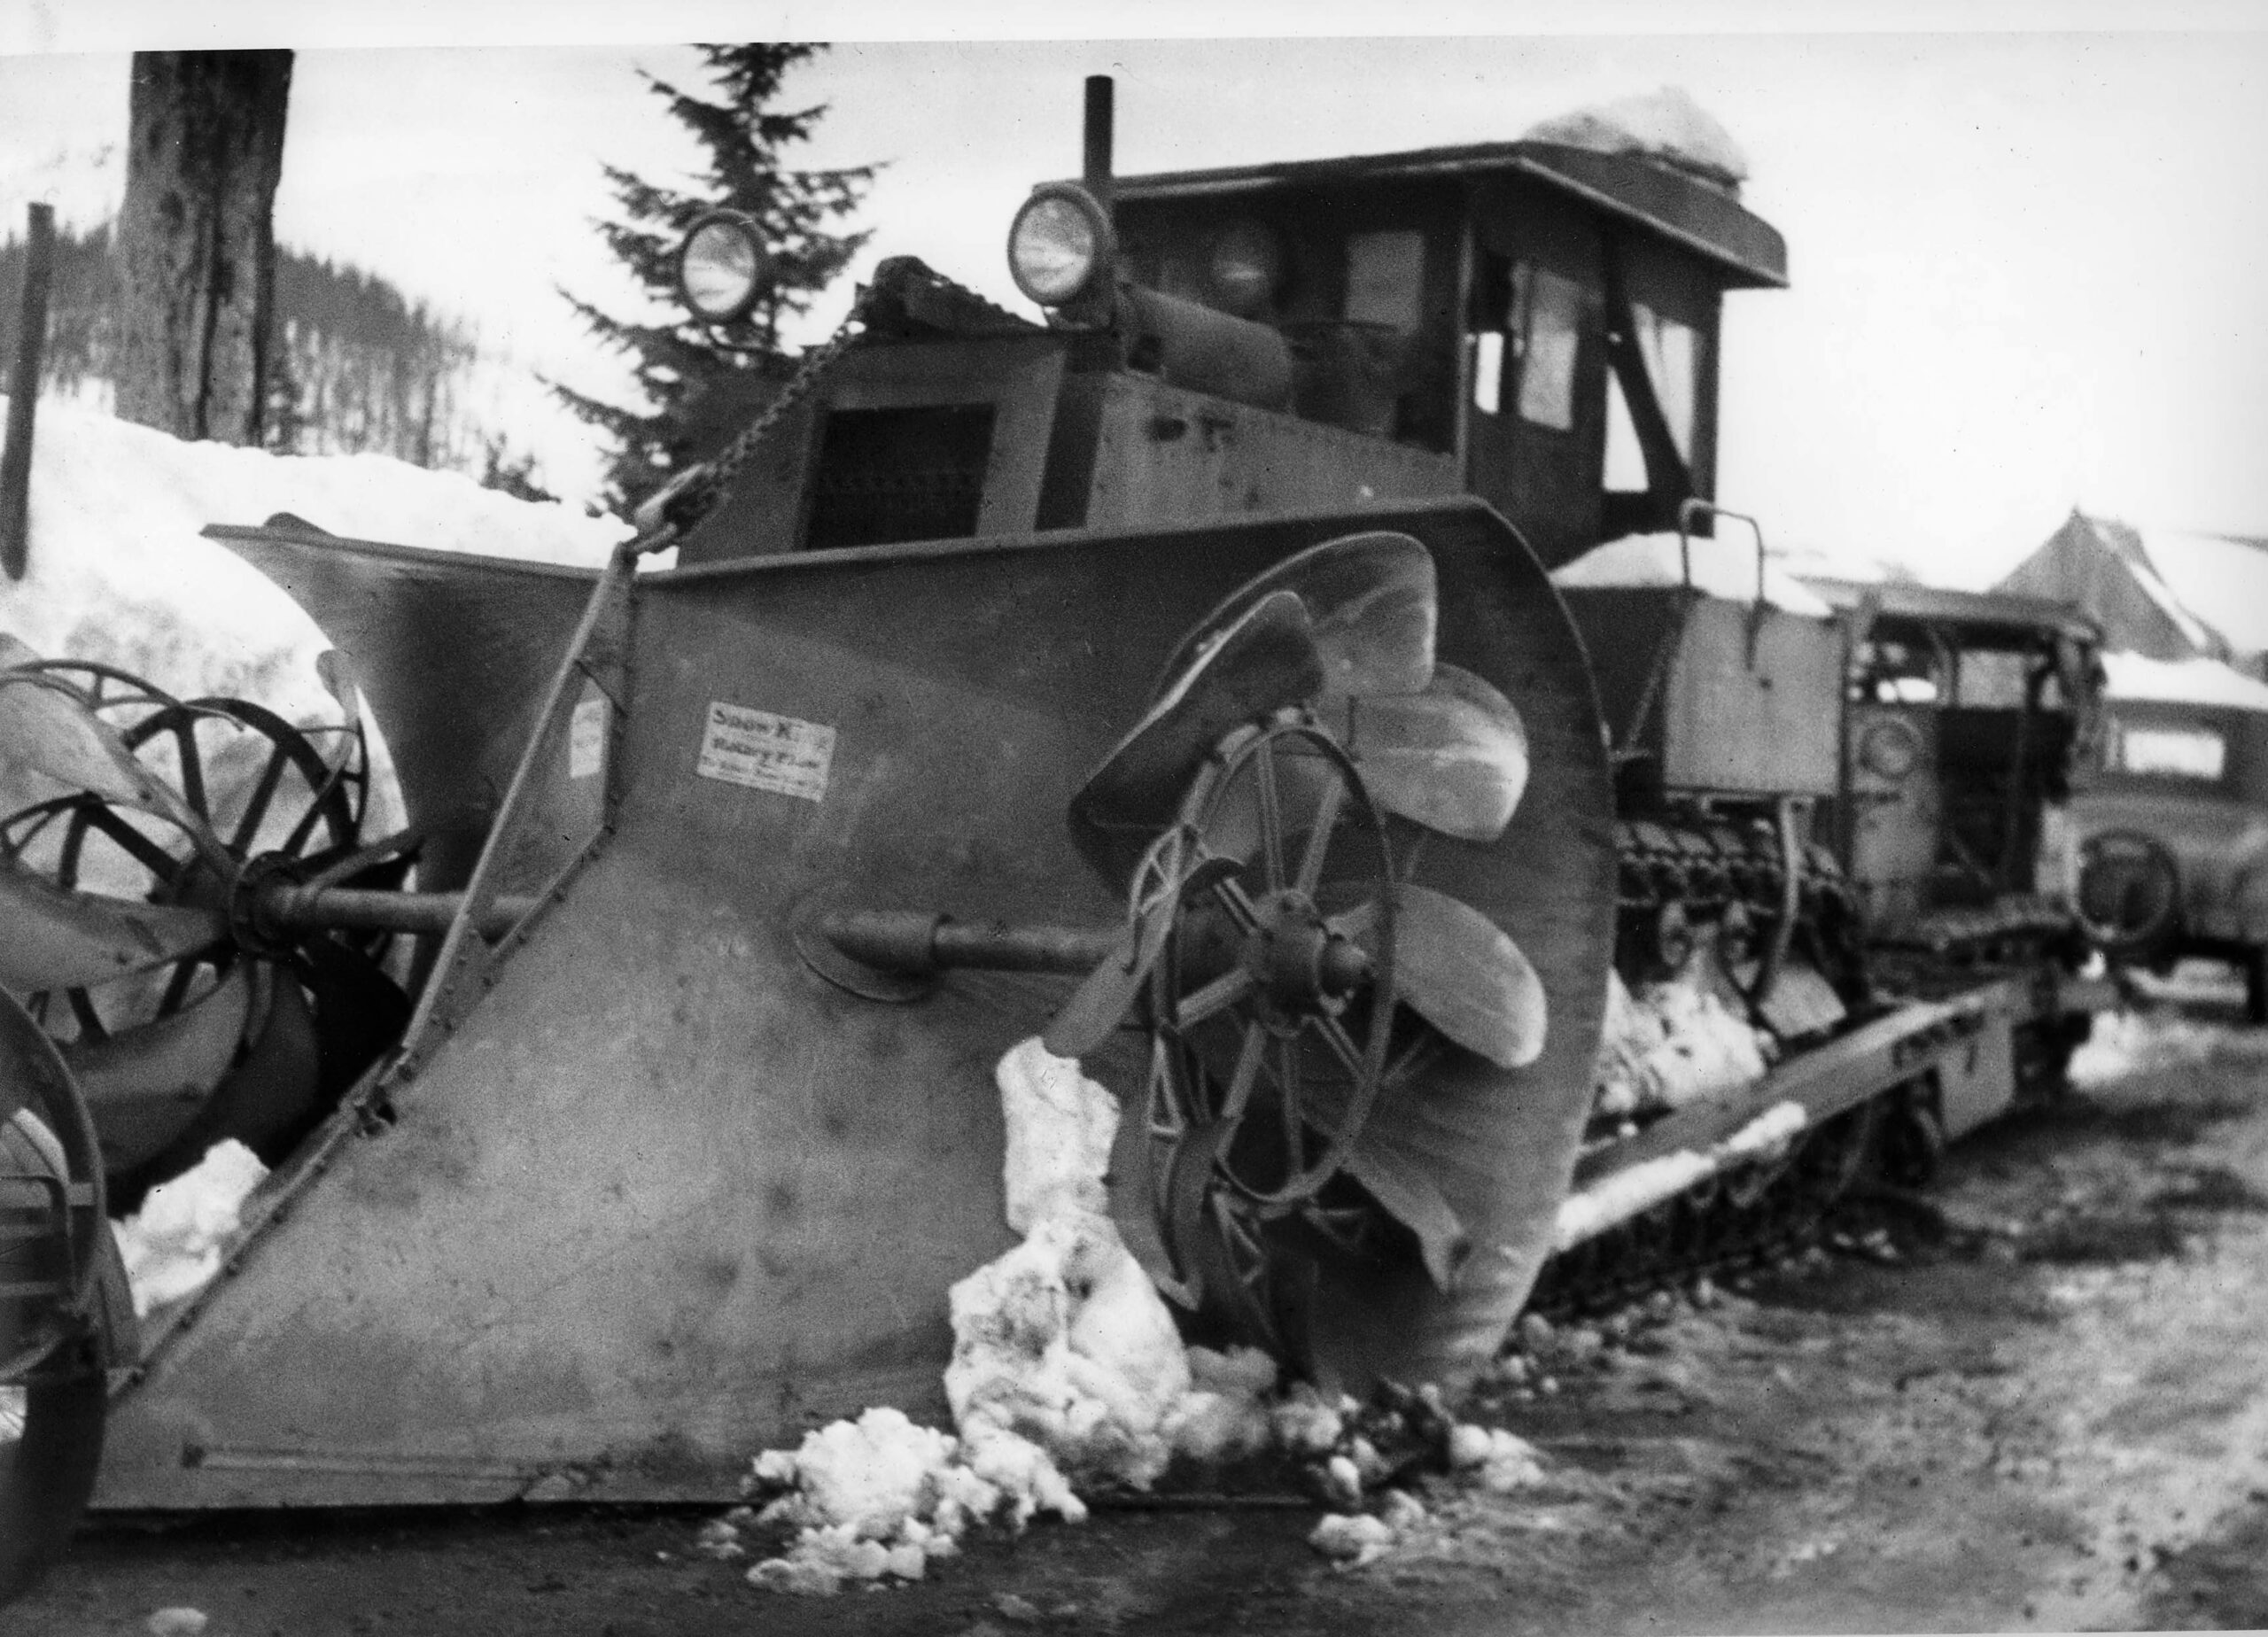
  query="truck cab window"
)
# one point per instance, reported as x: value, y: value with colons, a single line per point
x: 1526, y: 331
x: 1548, y: 318
x: 2170, y: 752
x: 1671, y: 350
x: 1386, y: 279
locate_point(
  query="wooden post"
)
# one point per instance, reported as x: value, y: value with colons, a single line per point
x: 23, y: 397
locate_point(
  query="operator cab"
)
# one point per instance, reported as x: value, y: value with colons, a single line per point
x: 1543, y: 314
x: 1536, y: 322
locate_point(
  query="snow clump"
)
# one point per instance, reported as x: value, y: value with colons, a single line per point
x: 172, y: 1246
x: 1670, y: 1044
x: 1666, y: 126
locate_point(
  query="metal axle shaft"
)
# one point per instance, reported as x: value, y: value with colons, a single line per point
x: 289, y: 908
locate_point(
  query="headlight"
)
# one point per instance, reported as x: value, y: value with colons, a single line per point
x: 1060, y: 246
x: 721, y: 267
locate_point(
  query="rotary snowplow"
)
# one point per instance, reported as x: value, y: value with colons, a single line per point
x: 693, y: 1124
x: 1165, y: 681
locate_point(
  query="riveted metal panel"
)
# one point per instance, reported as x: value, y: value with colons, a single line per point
x: 1164, y: 456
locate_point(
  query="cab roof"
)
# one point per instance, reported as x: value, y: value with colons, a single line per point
x: 1974, y: 608
x: 1680, y: 207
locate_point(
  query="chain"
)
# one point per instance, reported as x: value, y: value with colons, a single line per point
x: 678, y: 507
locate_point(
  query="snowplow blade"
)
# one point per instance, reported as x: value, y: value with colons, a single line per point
x: 642, y: 1193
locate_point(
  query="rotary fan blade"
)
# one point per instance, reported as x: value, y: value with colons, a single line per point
x: 58, y: 939
x: 1265, y: 661
x: 47, y: 725
x: 1453, y: 758
x: 1406, y: 1191
x: 1372, y: 600
x: 1455, y: 968
x: 1105, y: 994
x: 145, y: 1086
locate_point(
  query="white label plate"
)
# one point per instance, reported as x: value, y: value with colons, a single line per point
x: 587, y: 737
x: 765, y: 752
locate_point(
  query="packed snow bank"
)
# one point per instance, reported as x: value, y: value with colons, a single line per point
x: 2182, y: 681
x: 120, y: 573
x: 172, y: 1246
x: 1724, y: 569
x: 1666, y: 126
x: 1624, y: 1194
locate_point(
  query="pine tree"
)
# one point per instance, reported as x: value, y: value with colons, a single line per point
x: 684, y: 374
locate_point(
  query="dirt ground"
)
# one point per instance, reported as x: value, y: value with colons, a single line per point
x: 2045, y: 1408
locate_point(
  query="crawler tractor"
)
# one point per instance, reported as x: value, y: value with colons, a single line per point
x: 1181, y: 679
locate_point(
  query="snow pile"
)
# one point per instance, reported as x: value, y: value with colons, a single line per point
x: 120, y: 573
x: 874, y: 1497
x: 1670, y: 1044
x: 1067, y: 1367
x: 1065, y: 1358
x: 172, y: 1246
x: 2182, y: 681
x: 1666, y: 126
x: 1724, y: 569
x: 1488, y: 1458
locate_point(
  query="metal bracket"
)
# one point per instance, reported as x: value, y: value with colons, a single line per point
x: 1687, y: 511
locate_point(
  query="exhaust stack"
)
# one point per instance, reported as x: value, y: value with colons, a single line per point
x: 1095, y: 167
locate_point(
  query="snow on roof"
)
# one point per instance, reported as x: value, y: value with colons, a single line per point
x: 2185, y: 681
x: 120, y: 573
x: 1666, y: 125
x: 1722, y: 568
x: 2222, y: 579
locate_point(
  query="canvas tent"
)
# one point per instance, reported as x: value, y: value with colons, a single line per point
x: 2168, y: 595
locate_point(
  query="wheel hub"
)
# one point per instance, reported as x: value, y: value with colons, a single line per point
x: 1300, y: 968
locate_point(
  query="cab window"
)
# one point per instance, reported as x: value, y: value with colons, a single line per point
x: 1524, y: 351
x: 1670, y: 350
x: 1385, y: 278
x: 2196, y: 753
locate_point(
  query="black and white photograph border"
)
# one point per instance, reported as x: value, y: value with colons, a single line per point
x: 1327, y: 821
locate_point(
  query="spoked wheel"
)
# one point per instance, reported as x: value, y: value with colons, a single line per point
x: 218, y: 1039
x: 1273, y: 1024
x: 56, y: 1339
x: 258, y: 785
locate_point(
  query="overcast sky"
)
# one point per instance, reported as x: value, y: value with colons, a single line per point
x: 2031, y: 269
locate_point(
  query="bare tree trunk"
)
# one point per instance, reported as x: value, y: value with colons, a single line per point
x: 196, y: 241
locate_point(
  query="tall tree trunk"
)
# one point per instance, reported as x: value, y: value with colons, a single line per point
x: 196, y: 240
